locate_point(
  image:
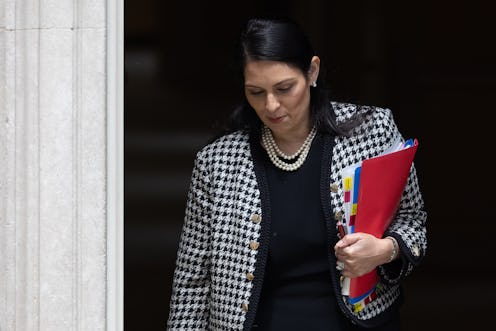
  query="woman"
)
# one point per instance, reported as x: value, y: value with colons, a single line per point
x: 260, y: 247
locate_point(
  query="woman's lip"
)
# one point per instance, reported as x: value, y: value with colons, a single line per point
x: 276, y: 119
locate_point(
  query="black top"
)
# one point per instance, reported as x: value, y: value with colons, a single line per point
x: 297, y: 292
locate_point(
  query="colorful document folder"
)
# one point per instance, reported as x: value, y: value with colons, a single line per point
x: 373, y: 190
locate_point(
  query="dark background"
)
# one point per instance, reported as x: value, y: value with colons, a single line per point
x: 432, y: 63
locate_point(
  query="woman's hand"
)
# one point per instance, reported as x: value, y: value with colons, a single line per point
x: 358, y: 253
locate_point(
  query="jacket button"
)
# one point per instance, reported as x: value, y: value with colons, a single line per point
x: 334, y: 187
x: 249, y: 276
x: 416, y: 250
x: 244, y: 306
x: 254, y: 245
x: 255, y: 218
x: 339, y: 216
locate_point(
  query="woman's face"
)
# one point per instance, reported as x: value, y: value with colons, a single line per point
x: 280, y: 95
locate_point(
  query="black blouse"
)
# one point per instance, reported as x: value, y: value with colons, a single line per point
x: 297, y: 291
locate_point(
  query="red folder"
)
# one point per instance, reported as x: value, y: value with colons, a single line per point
x: 382, y: 182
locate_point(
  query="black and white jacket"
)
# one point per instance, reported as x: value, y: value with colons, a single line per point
x: 224, y: 242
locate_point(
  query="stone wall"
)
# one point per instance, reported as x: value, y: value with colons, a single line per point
x: 53, y: 165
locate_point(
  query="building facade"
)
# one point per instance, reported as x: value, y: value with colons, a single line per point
x: 60, y: 153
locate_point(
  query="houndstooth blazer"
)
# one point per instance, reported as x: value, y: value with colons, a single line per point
x: 224, y: 241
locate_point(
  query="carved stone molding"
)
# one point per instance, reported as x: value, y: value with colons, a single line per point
x: 53, y: 112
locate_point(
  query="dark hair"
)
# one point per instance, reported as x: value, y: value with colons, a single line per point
x: 280, y: 39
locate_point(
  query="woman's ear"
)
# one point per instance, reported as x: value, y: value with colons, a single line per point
x: 314, y: 69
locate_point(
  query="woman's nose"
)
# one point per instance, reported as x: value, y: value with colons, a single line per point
x: 272, y: 103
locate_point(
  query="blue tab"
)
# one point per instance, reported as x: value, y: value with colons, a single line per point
x: 356, y: 184
x: 408, y: 143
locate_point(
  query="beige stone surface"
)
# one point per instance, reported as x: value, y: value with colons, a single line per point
x: 53, y: 165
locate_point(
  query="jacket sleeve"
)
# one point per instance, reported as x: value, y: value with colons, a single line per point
x: 409, y: 225
x: 409, y: 230
x: 189, y: 308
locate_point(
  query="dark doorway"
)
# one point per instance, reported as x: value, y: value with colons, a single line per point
x: 437, y: 75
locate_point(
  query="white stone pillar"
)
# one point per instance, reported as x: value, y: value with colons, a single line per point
x: 53, y: 165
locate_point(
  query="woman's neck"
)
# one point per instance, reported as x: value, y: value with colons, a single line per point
x: 291, y: 142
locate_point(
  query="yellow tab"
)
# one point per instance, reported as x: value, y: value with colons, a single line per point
x: 353, y: 209
x: 358, y: 307
x: 347, y: 183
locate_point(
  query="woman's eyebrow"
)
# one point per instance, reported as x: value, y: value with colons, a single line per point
x: 278, y: 83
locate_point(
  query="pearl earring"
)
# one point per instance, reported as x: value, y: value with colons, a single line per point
x: 314, y: 84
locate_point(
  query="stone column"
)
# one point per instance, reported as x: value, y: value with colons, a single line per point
x: 53, y: 158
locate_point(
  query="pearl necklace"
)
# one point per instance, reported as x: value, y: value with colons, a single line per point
x: 279, y: 158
